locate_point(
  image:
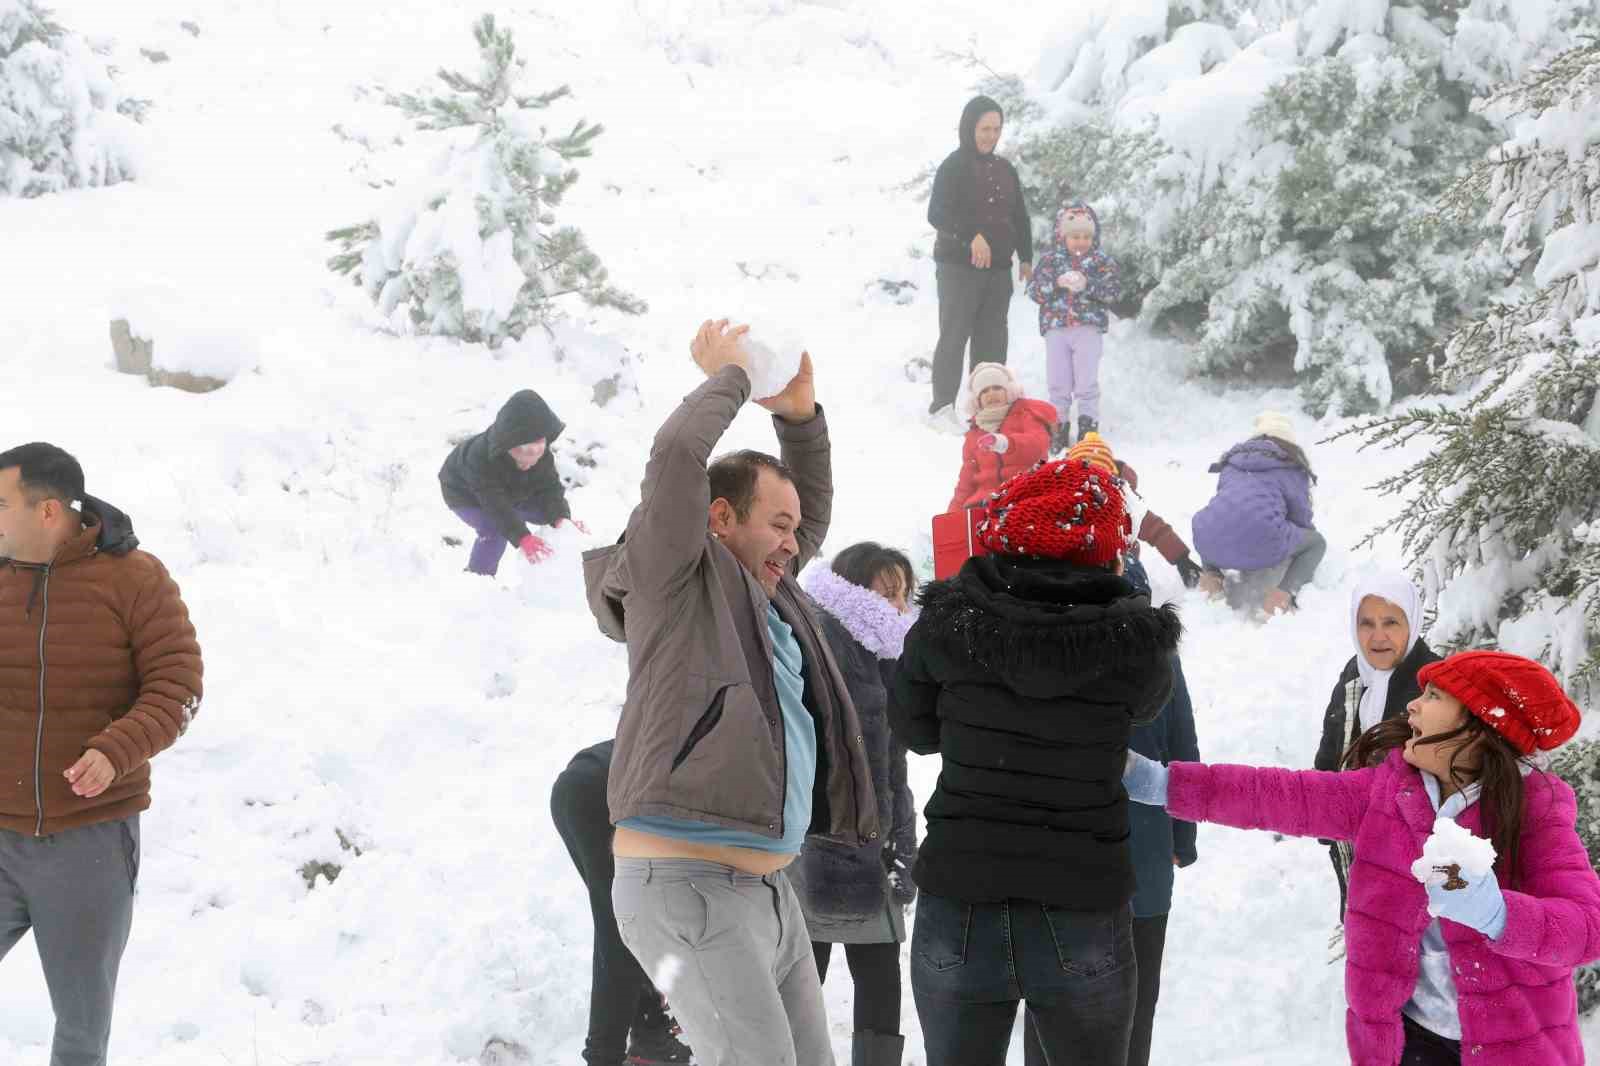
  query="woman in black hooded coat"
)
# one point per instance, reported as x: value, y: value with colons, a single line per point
x: 979, y: 211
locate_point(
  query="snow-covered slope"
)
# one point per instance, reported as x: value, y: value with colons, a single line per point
x: 368, y: 705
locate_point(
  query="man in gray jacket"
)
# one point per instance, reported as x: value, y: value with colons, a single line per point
x: 738, y: 737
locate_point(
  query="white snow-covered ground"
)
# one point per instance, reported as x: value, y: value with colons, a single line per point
x: 363, y: 694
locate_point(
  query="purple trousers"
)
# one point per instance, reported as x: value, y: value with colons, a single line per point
x: 490, y: 545
x: 1072, y: 369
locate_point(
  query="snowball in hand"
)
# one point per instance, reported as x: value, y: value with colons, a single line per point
x: 1451, y: 845
x: 770, y: 371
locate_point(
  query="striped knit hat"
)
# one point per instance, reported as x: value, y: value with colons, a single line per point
x: 1067, y: 509
x: 1093, y: 449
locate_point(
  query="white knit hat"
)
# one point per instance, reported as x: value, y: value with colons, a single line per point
x: 1275, y: 424
x: 986, y: 376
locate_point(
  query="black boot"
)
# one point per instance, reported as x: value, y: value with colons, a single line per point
x: 653, y: 1039
x: 1061, y: 439
x: 876, y: 1049
x: 1087, y: 425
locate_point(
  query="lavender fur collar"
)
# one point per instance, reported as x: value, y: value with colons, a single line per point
x: 865, y: 615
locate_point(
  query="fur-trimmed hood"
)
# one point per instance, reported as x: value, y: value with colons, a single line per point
x: 869, y: 618
x: 1046, y: 628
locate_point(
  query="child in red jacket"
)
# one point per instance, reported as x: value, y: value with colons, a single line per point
x: 1008, y: 434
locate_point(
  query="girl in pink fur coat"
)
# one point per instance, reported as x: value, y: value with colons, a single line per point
x: 1465, y: 968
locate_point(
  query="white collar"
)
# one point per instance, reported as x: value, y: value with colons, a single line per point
x: 1458, y: 801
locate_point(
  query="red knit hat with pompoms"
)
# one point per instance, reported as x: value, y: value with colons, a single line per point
x: 1517, y: 697
x: 1067, y: 509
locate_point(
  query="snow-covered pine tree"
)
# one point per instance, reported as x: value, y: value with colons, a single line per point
x: 1330, y: 247
x: 1502, y: 516
x: 1578, y: 763
x: 472, y: 249
x: 1270, y: 167
x: 63, y: 121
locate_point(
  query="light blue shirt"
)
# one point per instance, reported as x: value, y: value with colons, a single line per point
x: 1433, y: 1001
x: 800, y: 755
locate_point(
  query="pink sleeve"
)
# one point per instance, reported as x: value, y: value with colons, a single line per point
x: 1306, y: 803
x: 1553, y: 914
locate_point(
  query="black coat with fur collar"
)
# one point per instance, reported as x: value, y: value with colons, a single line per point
x: 1027, y: 676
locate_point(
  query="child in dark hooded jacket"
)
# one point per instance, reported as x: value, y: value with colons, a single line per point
x: 505, y: 478
x: 1072, y: 284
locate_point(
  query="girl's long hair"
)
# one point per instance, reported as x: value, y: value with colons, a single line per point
x: 1499, y: 772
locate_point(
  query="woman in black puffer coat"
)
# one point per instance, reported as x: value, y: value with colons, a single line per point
x: 1027, y: 673
x: 856, y: 896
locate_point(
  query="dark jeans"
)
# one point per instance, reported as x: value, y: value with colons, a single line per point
x: 875, y: 971
x: 1427, y: 1048
x: 490, y: 545
x: 1149, y: 943
x: 972, y: 306
x: 618, y: 991
x: 972, y: 963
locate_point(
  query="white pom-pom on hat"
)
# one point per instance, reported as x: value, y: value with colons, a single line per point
x: 1275, y: 424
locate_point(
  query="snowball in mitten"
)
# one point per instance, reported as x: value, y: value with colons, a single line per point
x: 1457, y: 869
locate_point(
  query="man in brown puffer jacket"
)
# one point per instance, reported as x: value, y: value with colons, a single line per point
x: 99, y: 671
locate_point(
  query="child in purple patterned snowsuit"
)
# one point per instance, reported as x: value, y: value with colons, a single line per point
x: 1072, y: 284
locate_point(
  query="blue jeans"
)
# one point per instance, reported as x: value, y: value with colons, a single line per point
x: 972, y: 963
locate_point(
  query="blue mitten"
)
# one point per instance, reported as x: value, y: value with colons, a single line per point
x: 1145, y: 779
x: 1480, y: 905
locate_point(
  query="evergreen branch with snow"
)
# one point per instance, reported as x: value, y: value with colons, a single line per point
x: 1578, y: 764
x: 64, y: 121
x: 471, y: 248
x: 1501, y: 518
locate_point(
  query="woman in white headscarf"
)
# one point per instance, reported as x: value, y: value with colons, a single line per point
x: 1378, y: 681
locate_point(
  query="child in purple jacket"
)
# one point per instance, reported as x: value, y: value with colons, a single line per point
x: 1256, y: 540
x: 1445, y: 964
x: 1072, y: 284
